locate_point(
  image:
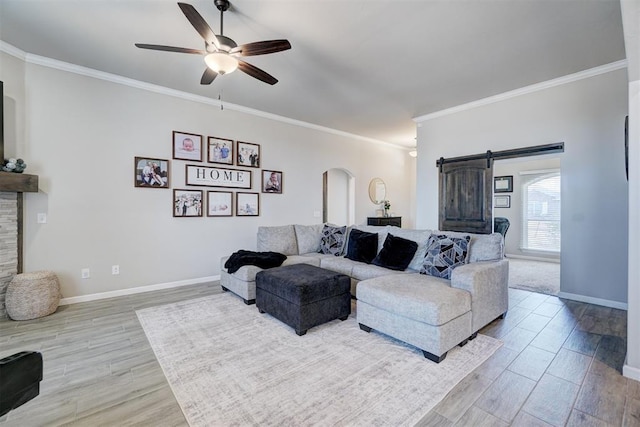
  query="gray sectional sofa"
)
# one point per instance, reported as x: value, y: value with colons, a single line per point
x: 431, y: 313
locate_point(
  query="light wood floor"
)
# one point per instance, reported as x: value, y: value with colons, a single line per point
x: 560, y: 365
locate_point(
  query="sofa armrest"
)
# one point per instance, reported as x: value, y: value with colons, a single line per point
x: 488, y: 284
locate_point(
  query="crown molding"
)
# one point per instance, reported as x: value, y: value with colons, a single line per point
x: 12, y: 50
x: 607, y: 68
x: 125, y: 81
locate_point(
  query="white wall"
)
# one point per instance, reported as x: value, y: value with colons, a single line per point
x: 81, y: 137
x: 588, y: 115
x: 513, y: 167
x: 631, y: 24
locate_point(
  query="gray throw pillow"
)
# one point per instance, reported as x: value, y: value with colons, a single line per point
x: 332, y: 241
x: 444, y: 253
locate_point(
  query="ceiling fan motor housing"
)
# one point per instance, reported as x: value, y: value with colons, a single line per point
x: 225, y: 43
x: 222, y: 5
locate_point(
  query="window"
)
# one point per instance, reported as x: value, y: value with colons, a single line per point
x: 541, y: 211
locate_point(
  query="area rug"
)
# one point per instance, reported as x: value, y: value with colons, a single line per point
x: 536, y: 276
x: 227, y: 364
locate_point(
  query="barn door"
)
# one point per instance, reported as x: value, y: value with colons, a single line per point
x: 466, y: 196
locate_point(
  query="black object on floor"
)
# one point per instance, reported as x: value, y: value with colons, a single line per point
x: 303, y: 296
x: 20, y: 376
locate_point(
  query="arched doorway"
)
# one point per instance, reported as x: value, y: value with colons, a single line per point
x: 338, y: 197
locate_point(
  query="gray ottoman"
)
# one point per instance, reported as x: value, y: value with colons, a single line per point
x: 303, y: 296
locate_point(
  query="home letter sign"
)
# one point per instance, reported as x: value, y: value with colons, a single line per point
x: 217, y: 177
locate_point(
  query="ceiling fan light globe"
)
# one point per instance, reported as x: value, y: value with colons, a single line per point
x: 221, y: 63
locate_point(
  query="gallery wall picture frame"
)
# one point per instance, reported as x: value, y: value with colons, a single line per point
x: 247, y: 204
x: 220, y: 150
x: 271, y: 181
x: 187, y: 203
x: 502, y: 201
x: 248, y: 154
x: 219, y: 203
x: 151, y: 173
x: 187, y: 146
x: 209, y: 176
x: 503, y: 184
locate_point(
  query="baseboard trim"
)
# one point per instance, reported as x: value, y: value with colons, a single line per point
x: 533, y: 258
x: 630, y: 371
x: 593, y: 300
x: 137, y: 290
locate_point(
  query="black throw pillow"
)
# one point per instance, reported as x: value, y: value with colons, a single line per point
x: 396, y: 254
x: 362, y: 246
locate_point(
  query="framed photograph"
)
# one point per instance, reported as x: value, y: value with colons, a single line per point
x: 248, y: 154
x: 219, y: 203
x: 207, y: 176
x: 501, y: 201
x: 220, y: 150
x: 187, y: 203
x: 187, y: 146
x: 503, y: 184
x: 247, y: 204
x: 151, y: 173
x: 272, y: 182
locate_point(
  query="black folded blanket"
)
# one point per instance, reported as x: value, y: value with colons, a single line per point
x: 259, y: 259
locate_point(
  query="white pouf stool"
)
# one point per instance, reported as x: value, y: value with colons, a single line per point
x: 32, y: 295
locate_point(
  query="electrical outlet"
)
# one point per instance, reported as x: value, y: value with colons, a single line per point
x: 316, y: 214
x: 42, y: 218
x: 85, y: 273
x: 115, y: 269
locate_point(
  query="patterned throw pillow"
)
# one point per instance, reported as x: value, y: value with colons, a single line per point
x: 444, y: 253
x: 332, y: 241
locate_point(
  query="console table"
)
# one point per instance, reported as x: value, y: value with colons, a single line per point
x: 385, y: 220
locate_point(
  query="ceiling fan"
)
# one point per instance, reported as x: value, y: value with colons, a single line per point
x: 221, y: 54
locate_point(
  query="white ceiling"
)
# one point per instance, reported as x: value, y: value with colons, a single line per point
x: 365, y: 67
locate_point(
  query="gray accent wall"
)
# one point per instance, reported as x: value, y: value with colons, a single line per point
x: 80, y: 134
x: 588, y: 115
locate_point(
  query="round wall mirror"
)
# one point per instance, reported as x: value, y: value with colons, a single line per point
x: 377, y: 191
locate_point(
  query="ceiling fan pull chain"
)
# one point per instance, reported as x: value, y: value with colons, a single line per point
x: 220, y: 99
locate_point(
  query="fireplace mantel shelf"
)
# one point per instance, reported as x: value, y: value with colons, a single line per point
x: 18, y: 182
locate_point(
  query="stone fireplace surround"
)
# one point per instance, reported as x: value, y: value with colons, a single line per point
x: 12, y: 187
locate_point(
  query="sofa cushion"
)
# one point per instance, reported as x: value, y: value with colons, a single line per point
x: 415, y: 296
x: 300, y: 259
x: 338, y: 264
x: 420, y: 237
x: 362, y: 271
x: 362, y: 246
x: 444, y: 253
x: 333, y: 239
x: 308, y: 237
x: 396, y: 253
x: 277, y: 239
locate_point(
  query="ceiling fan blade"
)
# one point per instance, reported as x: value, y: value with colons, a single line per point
x: 208, y: 76
x: 256, y: 72
x: 261, y: 48
x: 170, y: 48
x: 199, y: 24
